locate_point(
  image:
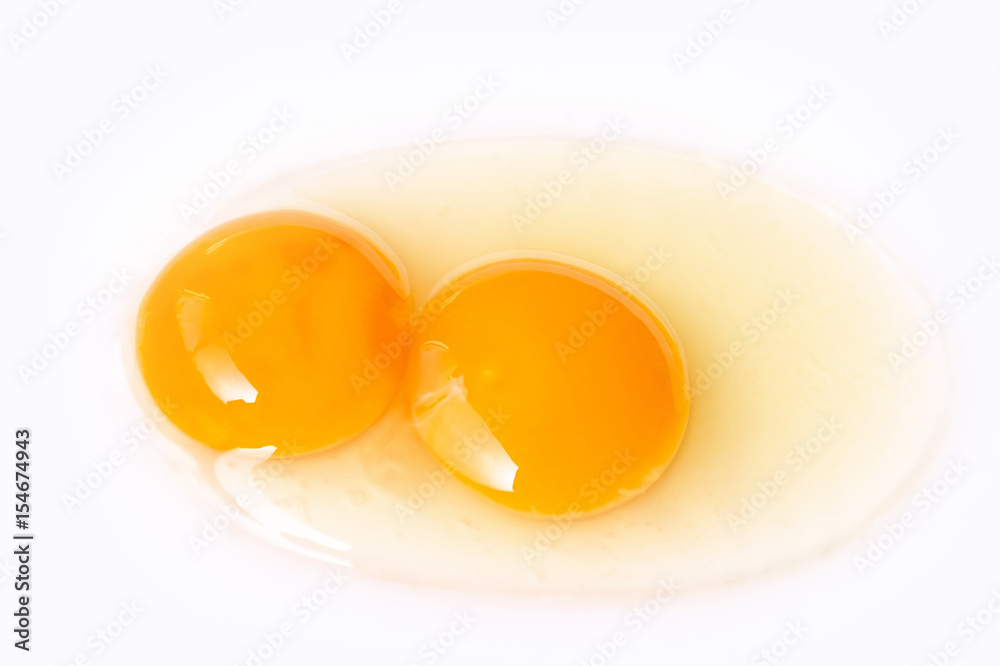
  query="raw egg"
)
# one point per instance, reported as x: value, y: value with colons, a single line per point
x: 588, y: 381
x: 544, y: 381
x: 267, y: 331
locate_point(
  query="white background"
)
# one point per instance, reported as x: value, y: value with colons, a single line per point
x: 61, y: 241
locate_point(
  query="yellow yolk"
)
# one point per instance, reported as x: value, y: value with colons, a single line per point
x: 547, y: 387
x: 272, y: 330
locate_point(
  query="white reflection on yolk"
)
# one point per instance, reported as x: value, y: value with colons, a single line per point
x: 212, y: 359
x: 447, y: 422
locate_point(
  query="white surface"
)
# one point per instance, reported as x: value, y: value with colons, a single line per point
x: 129, y: 540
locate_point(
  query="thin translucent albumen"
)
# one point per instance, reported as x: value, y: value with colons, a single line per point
x: 786, y: 324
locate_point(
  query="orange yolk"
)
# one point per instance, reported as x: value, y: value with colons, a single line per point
x: 270, y: 331
x: 547, y: 387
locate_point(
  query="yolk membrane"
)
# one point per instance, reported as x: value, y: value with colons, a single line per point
x: 547, y: 387
x: 270, y: 330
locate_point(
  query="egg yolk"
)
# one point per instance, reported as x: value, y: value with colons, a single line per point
x: 547, y: 387
x: 277, y: 329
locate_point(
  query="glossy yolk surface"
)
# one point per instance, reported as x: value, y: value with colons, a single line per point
x: 271, y: 331
x: 546, y: 387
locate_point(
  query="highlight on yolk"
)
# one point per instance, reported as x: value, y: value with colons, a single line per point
x: 552, y: 389
x: 271, y: 330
